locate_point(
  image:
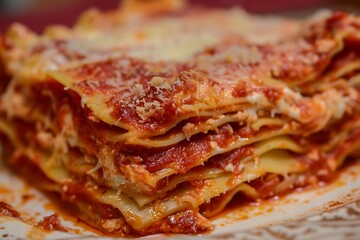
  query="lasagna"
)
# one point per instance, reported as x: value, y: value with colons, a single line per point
x: 151, y: 118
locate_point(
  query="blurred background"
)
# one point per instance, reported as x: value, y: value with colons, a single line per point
x: 38, y: 13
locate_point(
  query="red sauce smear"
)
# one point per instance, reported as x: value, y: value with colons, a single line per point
x: 52, y: 223
x: 8, y: 211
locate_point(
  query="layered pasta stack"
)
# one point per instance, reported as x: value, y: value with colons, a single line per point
x: 153, y: 117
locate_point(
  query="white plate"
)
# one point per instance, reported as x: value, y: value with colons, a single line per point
x: 277, y: 219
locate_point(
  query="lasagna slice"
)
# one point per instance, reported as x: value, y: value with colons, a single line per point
x: 153, y: 117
